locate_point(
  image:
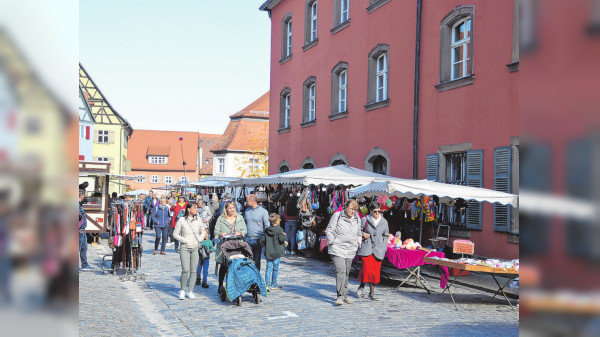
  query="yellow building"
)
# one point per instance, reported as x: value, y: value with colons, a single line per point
x: 111, y: 132
x: 34, y: 125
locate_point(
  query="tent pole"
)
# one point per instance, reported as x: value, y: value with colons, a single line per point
x: 422, y: 216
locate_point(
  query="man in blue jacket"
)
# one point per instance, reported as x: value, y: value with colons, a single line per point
x: 257, y: 220
x: 162, y: 222
x: 82, y: 237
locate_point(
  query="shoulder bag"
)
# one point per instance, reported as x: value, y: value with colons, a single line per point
x: 203, y: 252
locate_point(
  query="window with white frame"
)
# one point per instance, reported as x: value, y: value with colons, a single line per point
x: 161, y: 160
x: 344, y: 10
x: 456, y: 48
x: 155, y: 179
x: 461, y: 43
x: 221, y: 166
x: 284, y: 109
x: 184, y: 179
x: 102, y: 137
x: 310, y: 23
x: 339, y: 88
x: 254, y: 164
x: 313, y: 21
x: 168, y: 180
x: 140, y: 178
x: 286, y: 36
x: 309, y: 102
x: 378, y: 79
x: 342, y: 91
x: 102, y: 159
x: 381, y: 78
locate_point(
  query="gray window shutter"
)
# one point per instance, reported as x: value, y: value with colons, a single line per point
x: 111, y: 137
x: 95, y: 136
x: 502, y: 181
x: 474, y: 179
x: 432, y: 167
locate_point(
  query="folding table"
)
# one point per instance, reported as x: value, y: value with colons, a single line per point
x: 412, y: 260
x: 510, y: 273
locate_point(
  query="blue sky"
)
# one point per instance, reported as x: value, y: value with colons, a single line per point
x: 176, y: 65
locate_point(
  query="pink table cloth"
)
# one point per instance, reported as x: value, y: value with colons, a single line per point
x: 406, y: 258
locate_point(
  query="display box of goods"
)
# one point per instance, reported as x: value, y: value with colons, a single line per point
x: 456, y: 272
x: 463, y: 247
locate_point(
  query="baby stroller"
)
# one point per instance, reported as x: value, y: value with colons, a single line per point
x: 242, y: 275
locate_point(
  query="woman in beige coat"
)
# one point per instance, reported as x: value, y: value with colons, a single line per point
x: 189, y: 231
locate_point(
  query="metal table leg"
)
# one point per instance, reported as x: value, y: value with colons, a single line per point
x: 416, y: 273
x: 448, y: 286
x: 501, y: 289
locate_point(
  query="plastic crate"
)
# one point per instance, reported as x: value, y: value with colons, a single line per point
x: 463, y: 247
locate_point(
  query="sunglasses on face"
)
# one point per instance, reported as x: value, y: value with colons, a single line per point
x: 376, y: 212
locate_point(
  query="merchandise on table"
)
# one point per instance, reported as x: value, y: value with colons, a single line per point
x: 494, y: 263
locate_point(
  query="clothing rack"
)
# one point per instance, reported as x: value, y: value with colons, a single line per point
x: 126, y: 231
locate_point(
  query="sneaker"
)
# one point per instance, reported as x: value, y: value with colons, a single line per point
x: 360, y: 292
x: 339, y: 301
x: 162, y: 253
x: 204, y: 285
x: 292, y: 253
x: 348, y: 300
x: 276, y: 287
x: 170, y: 243
x: 155, y: 251
x: 198, y: 282
x: 86, y: 268
x: 181, y: 295
x: 191, y: 295
x: 372, y: 297
x: 286, y: 252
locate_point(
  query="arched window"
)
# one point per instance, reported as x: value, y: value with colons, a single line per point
x: 378, y: 77
x: 378, y: 161
x: 380, y: 165
x: 308, y: 163
x: 338, y: 159
x: 284, y: 166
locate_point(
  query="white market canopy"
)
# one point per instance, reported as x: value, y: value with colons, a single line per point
x: 137, y: 192
x: 213, y: 181
x: 331, y: 175
x: 446, y: 192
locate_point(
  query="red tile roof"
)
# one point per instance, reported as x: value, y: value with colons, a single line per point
x: 206, y: 142
x: 151, y: 142
x: 247, y: 128
x: 256, y: 109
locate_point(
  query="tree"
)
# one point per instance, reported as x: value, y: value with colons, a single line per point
x: 256, y: 163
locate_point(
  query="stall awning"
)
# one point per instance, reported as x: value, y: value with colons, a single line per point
x: 213, y: 181
x: 331, y: 175
x: 120, y: 176
x: 446, y: 192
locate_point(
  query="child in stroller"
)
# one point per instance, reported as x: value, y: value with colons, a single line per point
x: 241, y: 273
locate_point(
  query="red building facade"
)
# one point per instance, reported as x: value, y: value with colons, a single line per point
x: 407, y: 88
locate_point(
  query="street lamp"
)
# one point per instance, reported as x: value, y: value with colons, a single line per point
x: 184, y: 163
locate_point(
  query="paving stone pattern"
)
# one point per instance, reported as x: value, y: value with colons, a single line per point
x: 150, y: 307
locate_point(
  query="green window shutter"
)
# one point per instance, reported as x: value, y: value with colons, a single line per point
x: 502, y: 183
x: 474, y: 179
x: 432, y: 167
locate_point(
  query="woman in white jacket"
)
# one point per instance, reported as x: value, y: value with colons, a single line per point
x: 189, y: 231
x: 344, y: 236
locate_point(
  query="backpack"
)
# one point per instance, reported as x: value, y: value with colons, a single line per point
x: 181, y: 214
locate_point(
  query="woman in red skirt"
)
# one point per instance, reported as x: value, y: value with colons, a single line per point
x: 375, y: 233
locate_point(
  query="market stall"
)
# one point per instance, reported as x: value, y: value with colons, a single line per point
x: 495, y: 268
x: 421, y: 198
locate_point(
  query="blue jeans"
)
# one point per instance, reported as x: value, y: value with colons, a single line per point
x: 256, y: 250
x: 203, y: 267
x: 272, y: 271
x: 161, y: 232
x: 83, y: 250
x: 290, y: 233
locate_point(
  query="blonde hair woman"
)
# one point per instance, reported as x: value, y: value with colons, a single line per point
x: 344, y: 236
x: 230, y: 222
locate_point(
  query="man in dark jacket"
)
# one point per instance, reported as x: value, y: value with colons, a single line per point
x: 274, y: 241
x: 162, y: 223
x: 82, y: 237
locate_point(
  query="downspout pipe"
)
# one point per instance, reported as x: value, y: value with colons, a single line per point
x: 416, y: 91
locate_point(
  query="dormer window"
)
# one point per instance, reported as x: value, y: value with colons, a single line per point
x: 160, y: 160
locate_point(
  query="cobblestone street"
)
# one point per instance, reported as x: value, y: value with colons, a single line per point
x: 303, y: 307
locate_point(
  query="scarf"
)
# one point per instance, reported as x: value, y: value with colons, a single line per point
x: 181, y: 204
x: 374, y: 221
